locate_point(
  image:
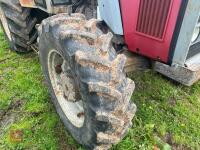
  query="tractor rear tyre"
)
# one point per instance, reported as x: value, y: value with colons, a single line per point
x: 86, y: 80
x: 18, y: 25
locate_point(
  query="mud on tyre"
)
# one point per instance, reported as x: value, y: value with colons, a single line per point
x: 75, y: 51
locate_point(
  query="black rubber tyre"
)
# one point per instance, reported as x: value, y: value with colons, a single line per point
x: 104, y: 87
x: 20, y: 23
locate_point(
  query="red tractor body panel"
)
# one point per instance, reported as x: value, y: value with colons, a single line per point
x: 149, y: 26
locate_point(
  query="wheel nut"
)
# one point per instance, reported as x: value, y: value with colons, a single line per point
x: 81, y: 114
x: 58, y: 69
x: 65, y: 96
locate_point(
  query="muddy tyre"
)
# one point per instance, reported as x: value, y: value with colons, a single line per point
x: 18, y: 25
x: 86, y: 80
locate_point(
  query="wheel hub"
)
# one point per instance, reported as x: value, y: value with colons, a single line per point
x: 66, y: 88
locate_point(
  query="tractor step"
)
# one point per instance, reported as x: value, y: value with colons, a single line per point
x: 187, y: 75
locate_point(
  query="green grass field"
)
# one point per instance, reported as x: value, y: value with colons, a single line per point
x: 168, y: 115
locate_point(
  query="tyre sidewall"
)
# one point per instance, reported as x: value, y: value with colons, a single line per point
x: 10, y: 42
x: 85, y: 135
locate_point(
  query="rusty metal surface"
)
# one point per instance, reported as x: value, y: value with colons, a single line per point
x: 27, y: 3
x: 61, y: 9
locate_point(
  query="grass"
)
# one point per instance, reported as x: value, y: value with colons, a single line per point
x: 168, y: 115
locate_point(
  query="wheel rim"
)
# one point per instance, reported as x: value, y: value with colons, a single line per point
x: 66, y: 88
x: 196, y: 33
x: 5, y: 24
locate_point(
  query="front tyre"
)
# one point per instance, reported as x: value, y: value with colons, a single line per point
x: 86, y: 80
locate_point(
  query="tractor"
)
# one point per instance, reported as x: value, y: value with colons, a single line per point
x: 87, y: 47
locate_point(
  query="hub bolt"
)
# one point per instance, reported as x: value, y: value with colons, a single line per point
x: 58, y: 69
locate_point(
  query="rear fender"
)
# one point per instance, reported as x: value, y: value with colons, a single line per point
x: 27, y: 3
x: 109, y: 11
x: 46, y: 6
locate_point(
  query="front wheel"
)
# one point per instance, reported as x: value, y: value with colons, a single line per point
x: 86, y: 80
